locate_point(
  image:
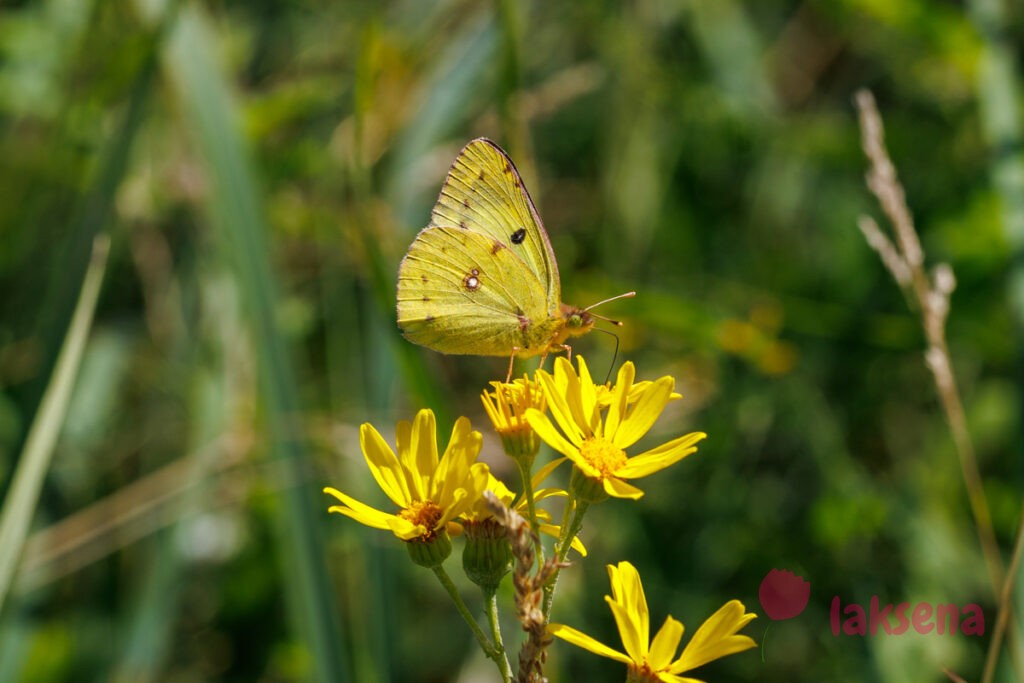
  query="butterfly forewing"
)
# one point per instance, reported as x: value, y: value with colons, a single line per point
x: 484, y: 193
x: 465, y: 292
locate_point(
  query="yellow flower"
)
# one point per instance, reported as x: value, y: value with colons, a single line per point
x: 506, y: 405
x: 596, y: 442
x: 429, y: 491
x: 651, y: 660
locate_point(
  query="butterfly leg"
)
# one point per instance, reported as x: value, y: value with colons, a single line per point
x: 511, y: 361
x: 559, y: 347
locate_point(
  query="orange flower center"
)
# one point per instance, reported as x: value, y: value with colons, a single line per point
x: 425, y: 512
x: 602, y: 455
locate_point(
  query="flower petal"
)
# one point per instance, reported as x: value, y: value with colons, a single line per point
x: 498, y: 488
x: 716, y: 638
x: 617, y: 488
x: 464, y: 442
x: 638, y: 389
x: 661, y: 457
x: 672, y: 678
x: 556, y: 390
x: 403, y: 443
x: 541, y: 494
x: 468, y: 495
x: 421, y: 458
x: 627, y: 590
x: 591, y: 414
x: 545, y: 471
x: 457, y: 503
x: 555, y: 531
x: 547, y: 432
x: 620, y: 399
x: 643, y: 415
x: 568, y: 382
x: 665, y: 644
x: 406, y: 530
x: 580, y: 639
x: 448, y: 479
x: 451, y: 473
x: 384, y: 466
x: 361, y: 512
x: 633, y: 641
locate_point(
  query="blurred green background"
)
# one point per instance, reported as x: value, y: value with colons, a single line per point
x: 260, y: 168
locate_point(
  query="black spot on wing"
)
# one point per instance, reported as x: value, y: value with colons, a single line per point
x: 518, y: 236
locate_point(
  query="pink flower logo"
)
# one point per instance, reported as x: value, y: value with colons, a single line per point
x: 783, y: 594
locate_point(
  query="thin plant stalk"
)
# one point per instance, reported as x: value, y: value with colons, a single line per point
x: 20, y: 503
x: 1004, y: 605
x: 531, y: 506
x: 570, y: 528
x: 904, y: 258
x: 495, y: 624
x: 490, y: 650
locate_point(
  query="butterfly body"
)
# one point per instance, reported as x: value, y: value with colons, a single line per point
x: 481, y: 278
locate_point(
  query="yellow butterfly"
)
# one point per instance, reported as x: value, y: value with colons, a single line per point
x: 481, y: 278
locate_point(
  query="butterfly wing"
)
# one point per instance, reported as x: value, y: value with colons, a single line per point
x: 484, y: 193
x: 465, y: 292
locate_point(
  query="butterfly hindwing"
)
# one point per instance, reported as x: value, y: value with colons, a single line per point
x: 468, y: 293
x: 484, y: 193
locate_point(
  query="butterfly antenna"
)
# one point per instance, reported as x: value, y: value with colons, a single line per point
x: 617, y: 323
x: 615, y: 356
x: 618, y: 296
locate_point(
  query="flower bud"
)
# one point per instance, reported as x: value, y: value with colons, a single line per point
x: 506, y: 404
x: 487, y: 556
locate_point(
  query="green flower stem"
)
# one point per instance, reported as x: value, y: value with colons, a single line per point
x: 491, y: 599
x: 531, y: 506
x: 494, y: 653
x: 574, y: 510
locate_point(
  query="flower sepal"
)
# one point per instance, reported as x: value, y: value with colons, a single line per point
x: 521, y: 445
x: 430, y: 552
x: 586, y: 488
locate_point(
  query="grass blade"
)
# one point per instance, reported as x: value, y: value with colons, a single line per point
x: 235, y: 212
x: 21, y: 500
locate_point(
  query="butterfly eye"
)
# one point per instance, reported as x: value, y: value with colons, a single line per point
x: 518, y: 236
